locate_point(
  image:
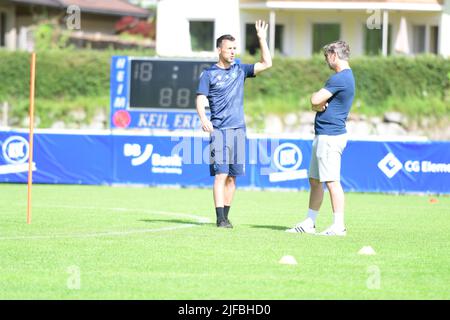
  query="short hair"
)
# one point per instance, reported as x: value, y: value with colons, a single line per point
x: 224, y: 37
x: 341, y: 48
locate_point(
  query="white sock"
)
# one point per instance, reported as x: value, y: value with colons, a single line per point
x: 312, y: 216
x: 339, y: 219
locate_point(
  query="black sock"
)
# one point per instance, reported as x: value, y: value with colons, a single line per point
x: 226, y: 209
x: 220, y: 214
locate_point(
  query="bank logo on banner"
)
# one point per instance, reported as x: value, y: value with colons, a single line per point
x: 15, y: 152
x: 159, y: 164
x: 287, y: 158
x: 390, y: 165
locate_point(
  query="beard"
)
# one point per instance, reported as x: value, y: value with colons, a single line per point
x: 331, y: 65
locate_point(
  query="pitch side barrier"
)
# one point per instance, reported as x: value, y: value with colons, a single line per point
x: 112, y: 157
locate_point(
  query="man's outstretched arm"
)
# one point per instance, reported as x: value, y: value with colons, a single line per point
x: 266, y: 59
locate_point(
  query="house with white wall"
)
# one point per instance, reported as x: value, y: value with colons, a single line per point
x: 299, y: 28
x: 17, y: 17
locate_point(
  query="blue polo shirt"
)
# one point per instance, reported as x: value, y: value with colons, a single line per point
x: 332, y: 120
x: 224, y: 89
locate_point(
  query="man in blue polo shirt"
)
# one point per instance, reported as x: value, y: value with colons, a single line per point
x: 332, y: 104
x: 221, y: 87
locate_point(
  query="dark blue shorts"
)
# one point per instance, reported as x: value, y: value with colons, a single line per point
x: 227, y: 152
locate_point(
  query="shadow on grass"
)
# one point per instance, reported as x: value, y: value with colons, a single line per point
x: 180, y: 221
x: 277, y: 228
x: 175, y: 221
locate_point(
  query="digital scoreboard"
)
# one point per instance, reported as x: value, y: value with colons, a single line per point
x: 164, y: 84
x: 155, y: 93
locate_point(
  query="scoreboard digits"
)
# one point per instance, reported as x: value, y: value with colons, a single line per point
x: 164, y: 84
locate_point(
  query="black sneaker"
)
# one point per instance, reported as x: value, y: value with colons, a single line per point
x: 228, y: 223
x: 224, y: 224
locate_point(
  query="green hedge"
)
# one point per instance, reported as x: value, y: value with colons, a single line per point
x: 380, y: 84
x: 59, y: 74
x: 412, y: 85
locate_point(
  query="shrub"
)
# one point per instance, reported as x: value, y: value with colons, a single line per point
x: 415, y: 86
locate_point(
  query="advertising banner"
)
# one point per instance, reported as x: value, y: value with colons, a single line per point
x: 367, y: 166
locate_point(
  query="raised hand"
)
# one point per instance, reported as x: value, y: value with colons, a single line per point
x: 261, y: 29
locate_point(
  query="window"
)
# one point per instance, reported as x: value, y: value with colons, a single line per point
x: 324, y: 33
x: 419, y: 39
x: 202, y: 35
x: 279, y: 34
x: 434, y: 36
x: 373, y: 41
x: 251, y: 39
x: 425, y: 39
x: 2, y: 28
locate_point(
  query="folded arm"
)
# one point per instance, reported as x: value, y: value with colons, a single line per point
x: 319, y: 100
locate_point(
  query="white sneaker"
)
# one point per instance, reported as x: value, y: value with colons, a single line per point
x: 333, y: 231
x: 303, y: 227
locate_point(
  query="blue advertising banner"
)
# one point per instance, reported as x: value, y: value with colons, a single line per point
x: 73, y: 159
x: 58, y: 158
x: 163, y: 160
x: 161, y: 120
x: 397, y: 166
x: 280, y: 163
x: 367, y: 166
x: 158, y: 161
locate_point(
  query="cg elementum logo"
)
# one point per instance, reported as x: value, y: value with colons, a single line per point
x: 390, y: 165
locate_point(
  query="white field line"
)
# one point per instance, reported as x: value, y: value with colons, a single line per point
x: 115, y: 233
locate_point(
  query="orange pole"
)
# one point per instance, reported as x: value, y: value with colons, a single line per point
x: 30, y: 160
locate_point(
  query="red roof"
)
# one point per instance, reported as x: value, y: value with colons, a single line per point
x: 107, y: 7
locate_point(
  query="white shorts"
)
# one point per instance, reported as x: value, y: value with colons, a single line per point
x: 326, y: 157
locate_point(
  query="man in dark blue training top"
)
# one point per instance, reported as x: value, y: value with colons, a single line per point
x: 221, y: 87
x: 332, y: 104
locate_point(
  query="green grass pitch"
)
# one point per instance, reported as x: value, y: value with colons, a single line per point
x: 99, y: 242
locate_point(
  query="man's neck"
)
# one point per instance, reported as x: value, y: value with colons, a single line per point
x: 342, y: 66
x: 223, y: 64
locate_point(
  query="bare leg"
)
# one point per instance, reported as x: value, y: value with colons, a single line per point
x: 230, y: 188
x: 336, y: 196
x: 316, y: 194
x: 219, y: 189
x: 315, y: 201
